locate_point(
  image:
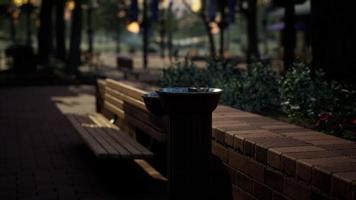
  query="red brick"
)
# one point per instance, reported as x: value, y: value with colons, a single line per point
x: 261, y: 191
x: 295, y: 190
x: 318, y: 195
x: 274, y: 159
x: 247, y: 165
x: 249, y: 148
x: 263, y: 144
x: 220, y: 151
x: 232, y: 173
x: 239, y: 194
x: 338, y: 146
x: 279, y: 196
x: 313, y: 154
x: 288, y: 160
x: 274, y: 179
x: 329, y: 142
x: 346, y: 152
x: 304, y: 171
x: 238, y: 143
x: 219, y: 135
x: 277, y: 127
x: 288, y: 165
x: 342, y: 184
x: 244, y: 182
x: 315, y: 136
x: 299, y: 133
x: 236, y: 127
x: 229, y: 139
x: 321, y: 179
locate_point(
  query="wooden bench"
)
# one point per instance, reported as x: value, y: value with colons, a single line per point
x: 100, y: 133
x: 124, y: 101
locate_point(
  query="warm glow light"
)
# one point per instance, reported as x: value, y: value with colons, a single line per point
x: 196, y: 5
x: 214, y: 27
x: 133, y: 27
x: 164, y: 4
x: 19, y: 2
x: 70, y: 5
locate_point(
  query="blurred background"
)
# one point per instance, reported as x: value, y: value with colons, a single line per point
x: 94, y: 35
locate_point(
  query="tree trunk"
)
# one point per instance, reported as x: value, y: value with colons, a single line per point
x: 60, y: 30
x: 162, y: 36
x: 28, y: 11
x: 12, y: 30
x: 75, y: 39
x: 45, y: 32
x: 333, y: 38
x: 90, y: 30
x: 222, y: 26
x: 252, y: 49
x: 289, y: 35
x: 145, y: 34
x: 208, y: 30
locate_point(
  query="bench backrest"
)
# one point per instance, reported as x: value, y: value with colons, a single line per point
x: 117, y: 93
x: 126, y: 102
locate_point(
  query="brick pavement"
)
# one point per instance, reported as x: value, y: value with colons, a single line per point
x: 41, y: 156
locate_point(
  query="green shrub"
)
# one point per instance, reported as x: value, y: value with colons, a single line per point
x: 215, y: 74
x: 304, y: 96
x: 259, y: 89
x: 255, y: 91
x: 184, y: 74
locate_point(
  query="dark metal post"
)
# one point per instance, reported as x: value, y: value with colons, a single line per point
x: 189, y: 141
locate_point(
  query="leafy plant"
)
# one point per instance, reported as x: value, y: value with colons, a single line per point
x: 259, y: 89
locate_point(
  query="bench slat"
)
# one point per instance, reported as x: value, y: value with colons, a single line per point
x: 126, y: 89
x: 115, y: 110
x: 107, y: 140
x: 119, y: 103
x: 126, y: 98
x: 93, y: 145
x: 97, y: 134
x: 126, y: 142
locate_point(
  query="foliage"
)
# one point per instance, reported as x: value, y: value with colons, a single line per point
x: 255, y: 91
x: 216, y: 74
x: 311, y: 99
x: 303, y: 96
x: 184, y: 74
x: 259, y: 89
x: 306, y: 98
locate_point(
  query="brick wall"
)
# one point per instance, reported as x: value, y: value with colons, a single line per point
x: 270, y: 159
